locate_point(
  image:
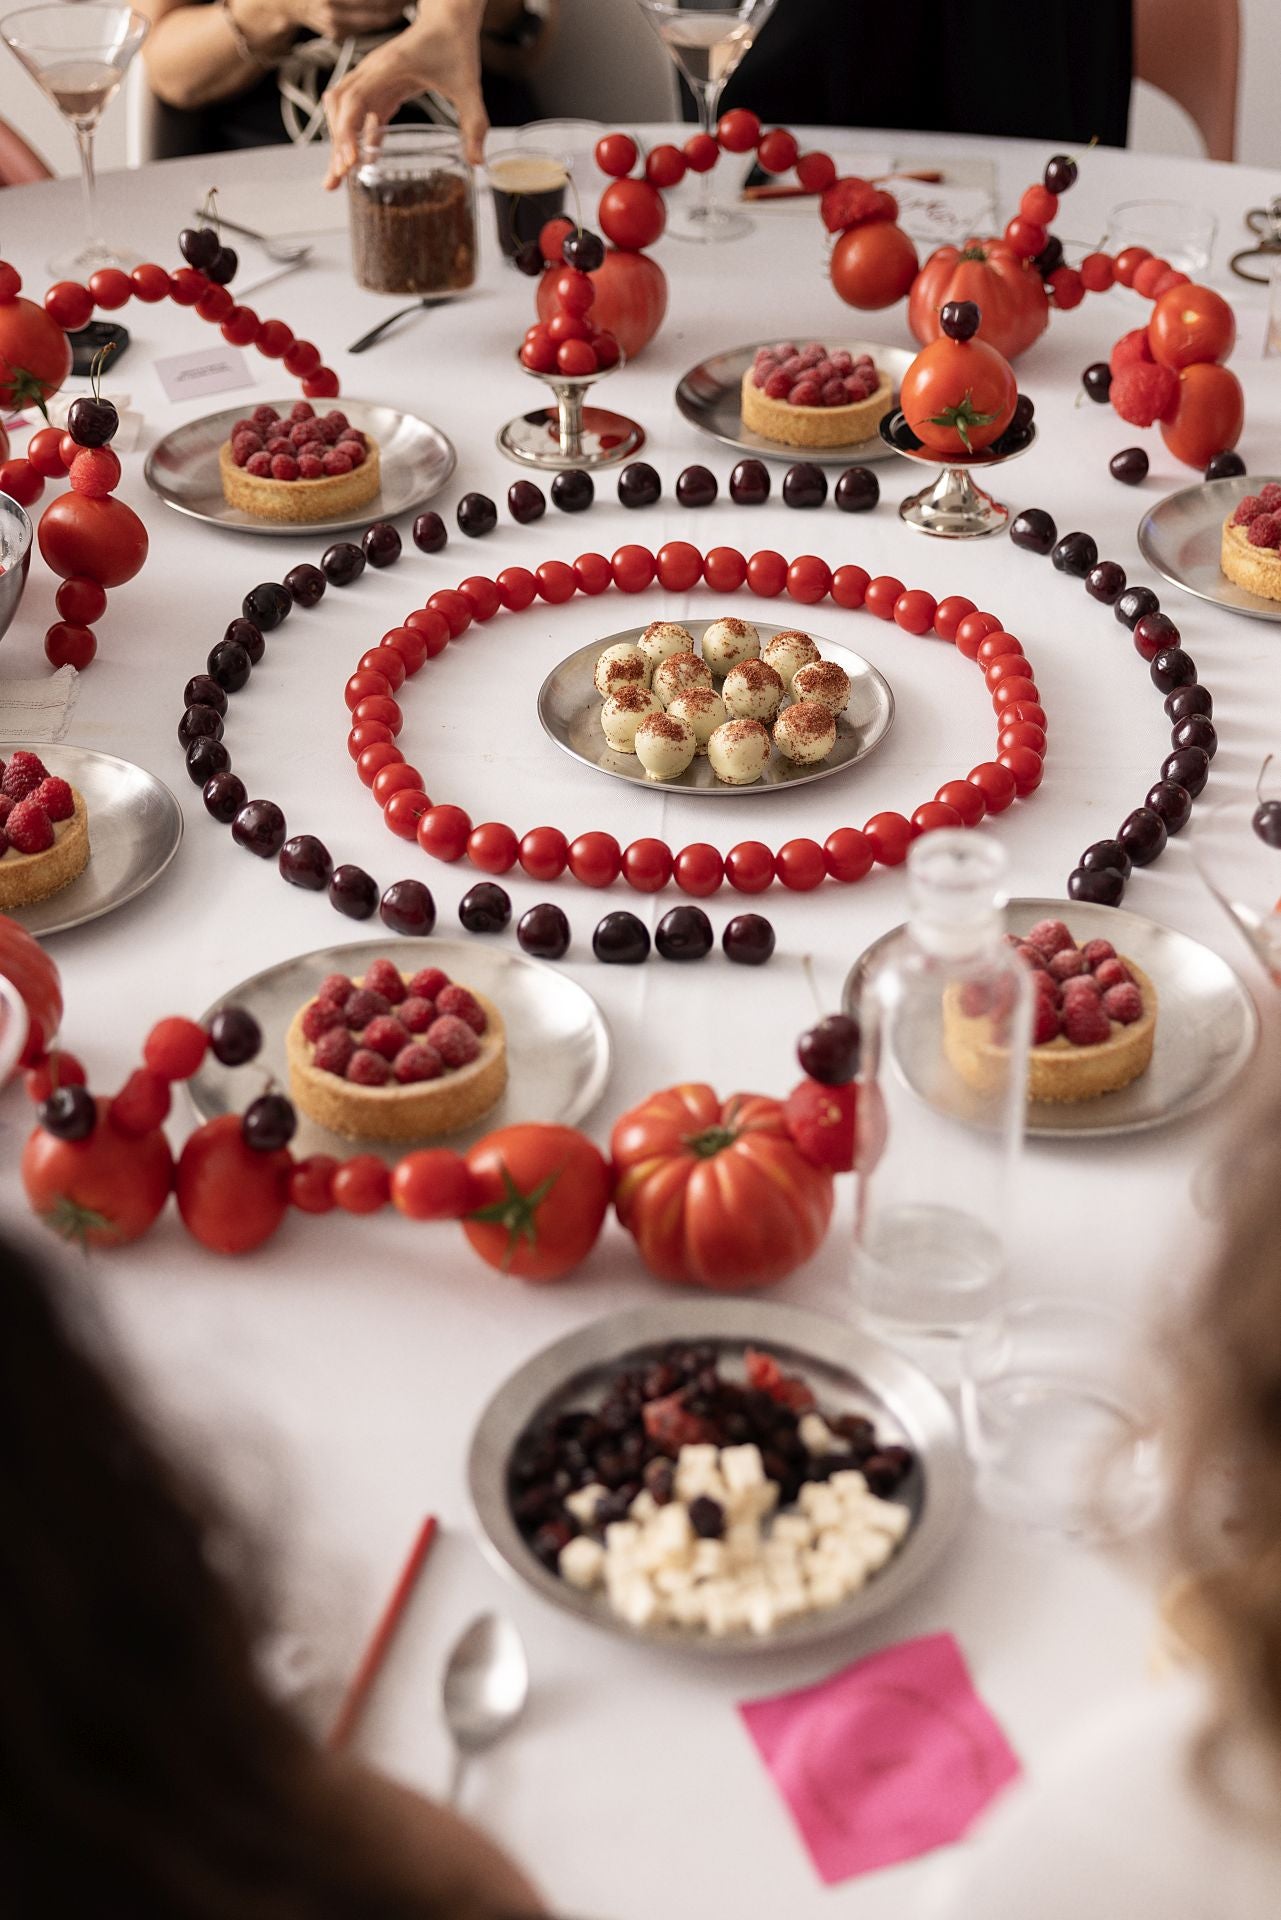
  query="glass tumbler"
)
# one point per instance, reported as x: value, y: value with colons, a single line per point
x: 1173, y: 230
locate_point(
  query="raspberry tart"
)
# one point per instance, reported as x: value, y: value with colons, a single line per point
x: 812, y: 397
x: 1250, y: 550
x: 396, y: 1056
x: 44, y: 832
x: 298, y: 469
x: 1094, y: 1020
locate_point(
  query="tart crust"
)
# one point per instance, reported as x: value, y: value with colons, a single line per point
x: 25, y: 877
x: 1058, y: 1071
x: 1257, y: 569
x: 298, y: 502
x: 814, y: 426
x: 422, y: 1110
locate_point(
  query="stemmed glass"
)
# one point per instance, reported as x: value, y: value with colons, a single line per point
x: 707, y: 39
x: 78, y: 55
x: 1237, y: 850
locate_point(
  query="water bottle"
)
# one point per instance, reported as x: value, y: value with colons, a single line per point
x: 945, y: 1009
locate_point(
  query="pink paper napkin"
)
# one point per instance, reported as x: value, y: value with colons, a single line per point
x: 885, y: 1760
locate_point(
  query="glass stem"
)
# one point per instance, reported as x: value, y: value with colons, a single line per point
x: 708, y: 99
x: 88, y: 181
x: 569, y: 406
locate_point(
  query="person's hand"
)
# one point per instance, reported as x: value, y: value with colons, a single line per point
x: 342, y: 19
x: 440, y: 50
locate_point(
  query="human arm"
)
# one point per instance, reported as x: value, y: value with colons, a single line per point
x: 458, y: 1867
x: 440, y: 49
x: 1190, y: 49
x: 196, y: 55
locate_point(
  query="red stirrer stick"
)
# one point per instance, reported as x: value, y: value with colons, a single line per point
x: 384, y: 1633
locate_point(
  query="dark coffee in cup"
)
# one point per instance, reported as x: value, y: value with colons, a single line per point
x: 528, y: 190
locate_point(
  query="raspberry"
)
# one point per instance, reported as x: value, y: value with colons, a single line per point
x: 259, y: 464
x: 1270, y: 496
x: 793, y: 366
x: 976, y: 998
x: 1131, y: 350
x: 812, y: 352
x: 416, y: 1014
x: 333, y: 1050
x: 6, y: 807
x: 1046, y: 987
x: 264, y: 416
x: 302, y: 410
x: 453, y: 1040
x: 1084, y: 1021
x: 1046, y: 1024
x: 142, y: 1103
x: 860, y: 386
x: 4, y: 842
x: 242, y: 454
x: 56, y: 797
x: 464, y: 1005
x: 1142, y: 394
x: 23, y: 775
x: 1083, y: 986
x: 833, y: 393
x: 1124, y: 1003
x: 1111, y: 973
x: 307, y: 433
x: 284, y: 467
x: 29, y: 828
x: 336, y: 463
x: 175, y: 1048
x: 823, y: 369
x: 1049, y: 937
x: 336, y: 987
x: 1096, y: 952
x: 383, y: 976
x: 786, y: 350
x: 311, y: 467
x: 279, y: 443
x: 337, y: 418
x: 320, y: 1017
x: 417, y: 1062
x: 1246, y: 510
x: 807, y: 393
x: 778, y: 385
x: 329, y: 433
x: 384, y: 1035
x: 242, y: 426
x: 1264, y: 530
x: 368, y: 1069
x: 1066, y: 962
x: 354, y: 449
x: 428, y: 982
x: 363, y: 1006
x: 1031, y: 956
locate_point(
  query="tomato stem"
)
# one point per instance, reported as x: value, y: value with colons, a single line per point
x: 961, y: 418
x: 515, y: 1213
x: 711, y: 1141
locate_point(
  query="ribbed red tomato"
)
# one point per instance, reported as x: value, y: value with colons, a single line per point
x: 714, y: 1193
x: 1008, y: 292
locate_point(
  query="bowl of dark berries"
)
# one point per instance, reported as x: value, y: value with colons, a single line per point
x: 15, y: 558
x: 718, y: 1475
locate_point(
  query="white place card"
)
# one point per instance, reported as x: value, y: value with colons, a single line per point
x: 189, y: 376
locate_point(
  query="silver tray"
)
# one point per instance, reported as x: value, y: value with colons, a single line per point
x: 558, y: 1046
x: 1207, y: 1028
x: 135, y: 829
x: 416, y: 457
x: 850, y: 1371
x: 709, y: 397
x: 1181, y: 537
x: 569, y: 708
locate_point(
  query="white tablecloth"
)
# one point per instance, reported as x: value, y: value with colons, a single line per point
x: 335, y: 1377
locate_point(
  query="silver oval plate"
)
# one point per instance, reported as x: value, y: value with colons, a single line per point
x: 709, y: 397
x: 1181, y: 538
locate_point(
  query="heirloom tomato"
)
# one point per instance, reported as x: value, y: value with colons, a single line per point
x: 1008, y: 291
x: 102, y: 1191
x: 716, y: 1194
x: 958, y: 396
x: 540, y: 1195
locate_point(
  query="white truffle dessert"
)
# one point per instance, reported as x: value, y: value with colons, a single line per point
x: 805, y: 732
x: 752, y: 691
x: 704, y: 710
x: 664, y: 745
x: 825, y: 682
x: 788, y: 652
x: 662, y: 638
x: 738, y: 752
x: 623, y: 712
x: 679, y: 673
x: 621, y: 666
x: 728, y: 641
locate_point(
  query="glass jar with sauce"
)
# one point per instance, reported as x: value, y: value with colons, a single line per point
x: 412, y: 200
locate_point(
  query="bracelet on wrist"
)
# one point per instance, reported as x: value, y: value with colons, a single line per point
x: 265, y: 62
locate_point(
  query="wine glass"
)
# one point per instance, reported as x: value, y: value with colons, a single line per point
x: 78, y: 55
x: 1237, y: 850
x: 707, y: 39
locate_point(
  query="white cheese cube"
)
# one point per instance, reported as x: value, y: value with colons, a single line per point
x: 742, y: 1467
x: 887, y: 1517
x: 790, y: 1599
x: 689, y: 1606
x: 821, y: 1504
x: 816, y: 1436
x: 874, y: 1550
x: 781, y: 1557
x: 637, y: 1603
x: 671, y: 1526
x: 825, y: 1590
x: 758, y: 1605
x: 696, y: 1468
x: 582, y: 1563
x: 720, y: 1606
x: 743, y: 1543
x: 643, y: 1507
x: 670, y: 1581
x: 796, y: 1528
x: 848, y: 1485
x: 583, y: 1503
x: 622, y: 1538
x: 709, y: 1559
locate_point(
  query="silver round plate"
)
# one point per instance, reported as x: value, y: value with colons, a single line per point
x: 569, y: 708
x: 850, y: 1372
x: 135, y: 829
x: 1207, y: 1028
x: 558, y: 1046
x: 416, y: 460
x: 709, y: 396
x: 1181, y: 538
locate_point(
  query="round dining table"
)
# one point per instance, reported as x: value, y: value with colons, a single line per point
x: 329, y: 1384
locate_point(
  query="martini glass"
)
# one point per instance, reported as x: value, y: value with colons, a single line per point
x: 1243, y: 871
x: 78, y: 55
x: 707, y: 39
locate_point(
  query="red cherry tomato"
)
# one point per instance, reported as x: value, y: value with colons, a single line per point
x: 647, y: 865
x: 593, y: 573
x: 632, y: 214
x: 404, y: 810
x: 767, y: 573
x: 150, y: 283
x: 444, y: 832
x: 633, y: 568
x: 778, y: 150
x: 724, y: 569
x: 849, y: 855
x: 492, y: 847
x: 311, y: 1183
x: 556, y: 582
x: 890, y: 835
x: 701, y: 152
x: 385, y: 661
x: 575, y: 291
x: 1127, y: 263
x: 215, y: 305
x: 364, y: 686
x: 563, y: 327
x: 800, y: 865
x: 933, y: 815
x: 873, y: 265
x: 552, y: 236
x: 738, y: 130
x: 914, y: 611
x: 698, y: 869
x: 1025, y: 710
x: 517, y: 588
x: 544, y: 853
x: 240, y: 328
x: 321, y: 385
x: 1025, y: 765
x: 367, y: 733
x: 538, y: 352
x: 433, y: 1184
x: 102, y: 540
x: 1022, y: 733
x: 665, y: 166
x: 849, y: 586
x: 967, y: 800
x: 577, y: 358
x: 1025, y: 238
x: 973, y: 629
x: 362, y: 1184
x: 302, y: 358
x: 1006, y: 666
x: 371, y: 760
x: 378, y: 706
x: 616, y: 154
x: 186, y: 286
x: 809, y: 579
x: 454, y: 609
x: 274, y: 339
x: 68, y: 645
x: 949, y: 614
x: 815, y: 171
x: 44, y: 451
x: 1009, y: 693
x: 1148, y: 276
x: 392, y: 778
x: 996, y: 784
x: 882, y: 595
x: 409, y: 644
x: 81, y: 601
x: 540, y: 1197
x: 19, y: 479
x: 749, y: 867
x: 680, y: 566
x: 998, y: 646
x: 595, y: 859
x: 70, y: 304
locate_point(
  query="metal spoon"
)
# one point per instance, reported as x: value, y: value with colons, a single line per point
x: 376, y: 333
x: 289, y: 253
x: 484, y: 1689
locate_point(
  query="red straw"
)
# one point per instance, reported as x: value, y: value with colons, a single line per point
x: 384, y: 1633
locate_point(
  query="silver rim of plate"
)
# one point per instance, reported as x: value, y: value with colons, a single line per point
x: 1207, y: 1028
x: 558, y: 1045
x: 135, y: 829
x: 416, y: 461
x: 709, y: 397
x: 1181, y: 536
x: 849, y: 1370
x: 569, y: 709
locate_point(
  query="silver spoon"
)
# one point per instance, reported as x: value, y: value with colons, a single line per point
x: 288, y: 253
x: 484, y: 1689
x: 376, y: 333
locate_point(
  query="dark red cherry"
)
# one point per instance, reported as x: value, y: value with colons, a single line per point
x: 1172, y: 803
x: 1106, y: 582
x: 342, y: 563
x: 1060, y: 173
x: 1225, y: 466
x: 684, y: 933
x: 639, y: 485
x: 1195, y: 731
x: 485, y: 908
x: 857, y: 490
x: 1153, y: 632
x: 305, y: 862
x: 829, y: 1051
x: 1187, y: 700
x: 543, y: 931
x: 381, y: 544
x: 224, y: 795
x: 268, y: 1123
x: 1188, y: 767
x: 1130, y: 466
x: 408, y: 907
x: 430, y: 533
x: 1075, y: 553
x: 306, y: 583
x: 477, y: 515
x: 696, y: 487
x: 234, y: 1036
x: 804, y: 485
x: 573, y: 491
x: 1034, y: 530
x: 1133, y: 604
x: 1143, y: 835
x: 1267, y: 822
x: 205, y: 758
x: 749, y: 484
x: 621, y: 940
x: 959, y: 319
x: 1097, y: 381
x: 1107, y: 853
x: 748, y: 940
x: 353, y: 892
x: 70, y: 1113
x: 1100, y: 886
x: 259, y: 828
x: 525, y: 501
x: 1172, y: 668
x: 267, y: 605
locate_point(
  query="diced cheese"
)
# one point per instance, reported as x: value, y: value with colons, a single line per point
x: 582, y: 1562
x: 583, y: 1503
x: 816, y: 1436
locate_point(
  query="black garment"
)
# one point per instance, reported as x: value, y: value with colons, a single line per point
x: 1057, y: 73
